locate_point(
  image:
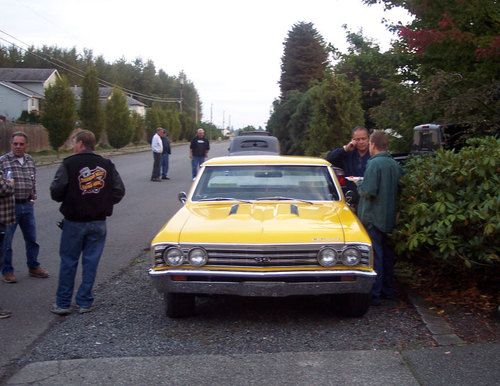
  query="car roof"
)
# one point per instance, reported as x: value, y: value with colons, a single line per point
x: 254, y: 144
x: 266, y: 160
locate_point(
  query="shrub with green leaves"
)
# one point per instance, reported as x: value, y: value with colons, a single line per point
x: 450, y: 209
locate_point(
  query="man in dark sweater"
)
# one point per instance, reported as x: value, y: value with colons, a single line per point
x: 198, y: 151
x: 353, y: 156
x: 87, y: 185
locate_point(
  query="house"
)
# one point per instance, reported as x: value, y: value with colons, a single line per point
x: 104, y: 95
x: 21, y: 89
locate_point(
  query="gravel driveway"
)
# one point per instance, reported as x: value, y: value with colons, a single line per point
x: 129, y: 320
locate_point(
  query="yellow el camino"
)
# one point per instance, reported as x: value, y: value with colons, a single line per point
x: 263, y: 226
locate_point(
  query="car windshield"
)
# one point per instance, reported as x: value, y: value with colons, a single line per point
x: 261, y: 182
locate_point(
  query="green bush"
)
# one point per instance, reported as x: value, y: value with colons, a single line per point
x: 449, y: 210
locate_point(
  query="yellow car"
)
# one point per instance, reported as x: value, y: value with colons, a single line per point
x: 263, y: 226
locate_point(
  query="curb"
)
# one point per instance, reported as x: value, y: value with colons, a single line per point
x: 441, y: 331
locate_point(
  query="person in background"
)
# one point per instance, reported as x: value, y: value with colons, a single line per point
x: 157, y: 147
x: 88, y: 186
x: 165, y: 155
x: 7, y: 216
x: 377, y: 211
x: 198, y: 151
x: 21, y: 167
x: 353, y: 156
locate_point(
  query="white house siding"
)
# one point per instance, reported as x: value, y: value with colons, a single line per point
x: 140, y: 110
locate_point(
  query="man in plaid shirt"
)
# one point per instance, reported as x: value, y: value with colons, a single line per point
x: 20, y: 166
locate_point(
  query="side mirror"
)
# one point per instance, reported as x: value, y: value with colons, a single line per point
x: 182, y: 197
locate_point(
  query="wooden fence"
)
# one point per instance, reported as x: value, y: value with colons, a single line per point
x: 38, y: 137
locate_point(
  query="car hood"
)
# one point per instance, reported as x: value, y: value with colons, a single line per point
x: 263, y: 223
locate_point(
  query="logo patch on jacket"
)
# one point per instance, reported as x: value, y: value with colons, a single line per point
x: 91, y: 181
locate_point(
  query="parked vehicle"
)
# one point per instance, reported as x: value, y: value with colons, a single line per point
x: 254, y: 144
x: 267, y: 226
x: 426, y: 140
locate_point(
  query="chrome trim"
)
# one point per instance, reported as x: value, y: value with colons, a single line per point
x: 206, y: 272
x: 219, y: 283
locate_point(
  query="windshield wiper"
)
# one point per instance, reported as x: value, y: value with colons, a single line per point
x: 224, y: 199
x: 281, y: 198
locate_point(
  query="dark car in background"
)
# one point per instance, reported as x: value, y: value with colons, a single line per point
x: 254, y: 143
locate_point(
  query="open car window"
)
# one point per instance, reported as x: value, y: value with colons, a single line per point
x: 254, y: 182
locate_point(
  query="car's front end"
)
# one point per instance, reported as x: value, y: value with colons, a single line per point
x: 263, y: 226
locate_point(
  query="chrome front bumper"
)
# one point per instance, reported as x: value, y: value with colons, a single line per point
x: 266, y: 284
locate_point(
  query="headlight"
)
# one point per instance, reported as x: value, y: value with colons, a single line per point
x: 327, y: 257
x: 197, y: 257
x: 351, y: 256
x: 173, y: 256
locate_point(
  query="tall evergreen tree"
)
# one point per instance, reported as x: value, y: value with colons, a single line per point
x: 118, y: 123
x: 59, y: 112
x: 304, y: 59
x: 90, y: 106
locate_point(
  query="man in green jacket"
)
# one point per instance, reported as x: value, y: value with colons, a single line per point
x: 377, y: 211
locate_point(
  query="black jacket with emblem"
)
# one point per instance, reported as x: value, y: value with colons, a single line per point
x: 88, y: 186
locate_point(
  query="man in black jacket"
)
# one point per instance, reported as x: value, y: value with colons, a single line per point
x: 87, y: 185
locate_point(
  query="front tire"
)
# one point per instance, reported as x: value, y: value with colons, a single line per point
x: 179, y: 305
x: 353, y: 305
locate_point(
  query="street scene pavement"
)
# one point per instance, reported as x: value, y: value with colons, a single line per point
x: 129, y: 340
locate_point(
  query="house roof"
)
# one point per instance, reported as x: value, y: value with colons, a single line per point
x: 105, y: 93
x: 19, y: 75
x: 20, y: 89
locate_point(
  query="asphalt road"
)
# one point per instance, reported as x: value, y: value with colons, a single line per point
x: 145, y: 208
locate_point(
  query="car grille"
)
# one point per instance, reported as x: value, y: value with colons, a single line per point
x: 277, y: 255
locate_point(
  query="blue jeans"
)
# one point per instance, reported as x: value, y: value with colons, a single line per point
x: 164, y: 164
x: 195, y: 164
x: 25, y: 217
x: 87, y: 239
x: 384, y: 263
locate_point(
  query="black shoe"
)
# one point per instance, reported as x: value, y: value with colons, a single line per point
x: 164, y: 178
x: 375, y: 302
x: 155, y: 179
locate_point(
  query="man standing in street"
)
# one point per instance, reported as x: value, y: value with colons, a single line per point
x: 198, y: 151
x: 165, y: 155
x: 87, y: 185
x: 377, y: 211
x: 7, y: 217
x: 157, y: 147
x: 20, y: 166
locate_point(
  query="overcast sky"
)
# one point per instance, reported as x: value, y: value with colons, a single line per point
x: 230, y: 49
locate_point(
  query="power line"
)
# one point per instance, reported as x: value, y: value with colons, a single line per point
x: 76, y: 71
